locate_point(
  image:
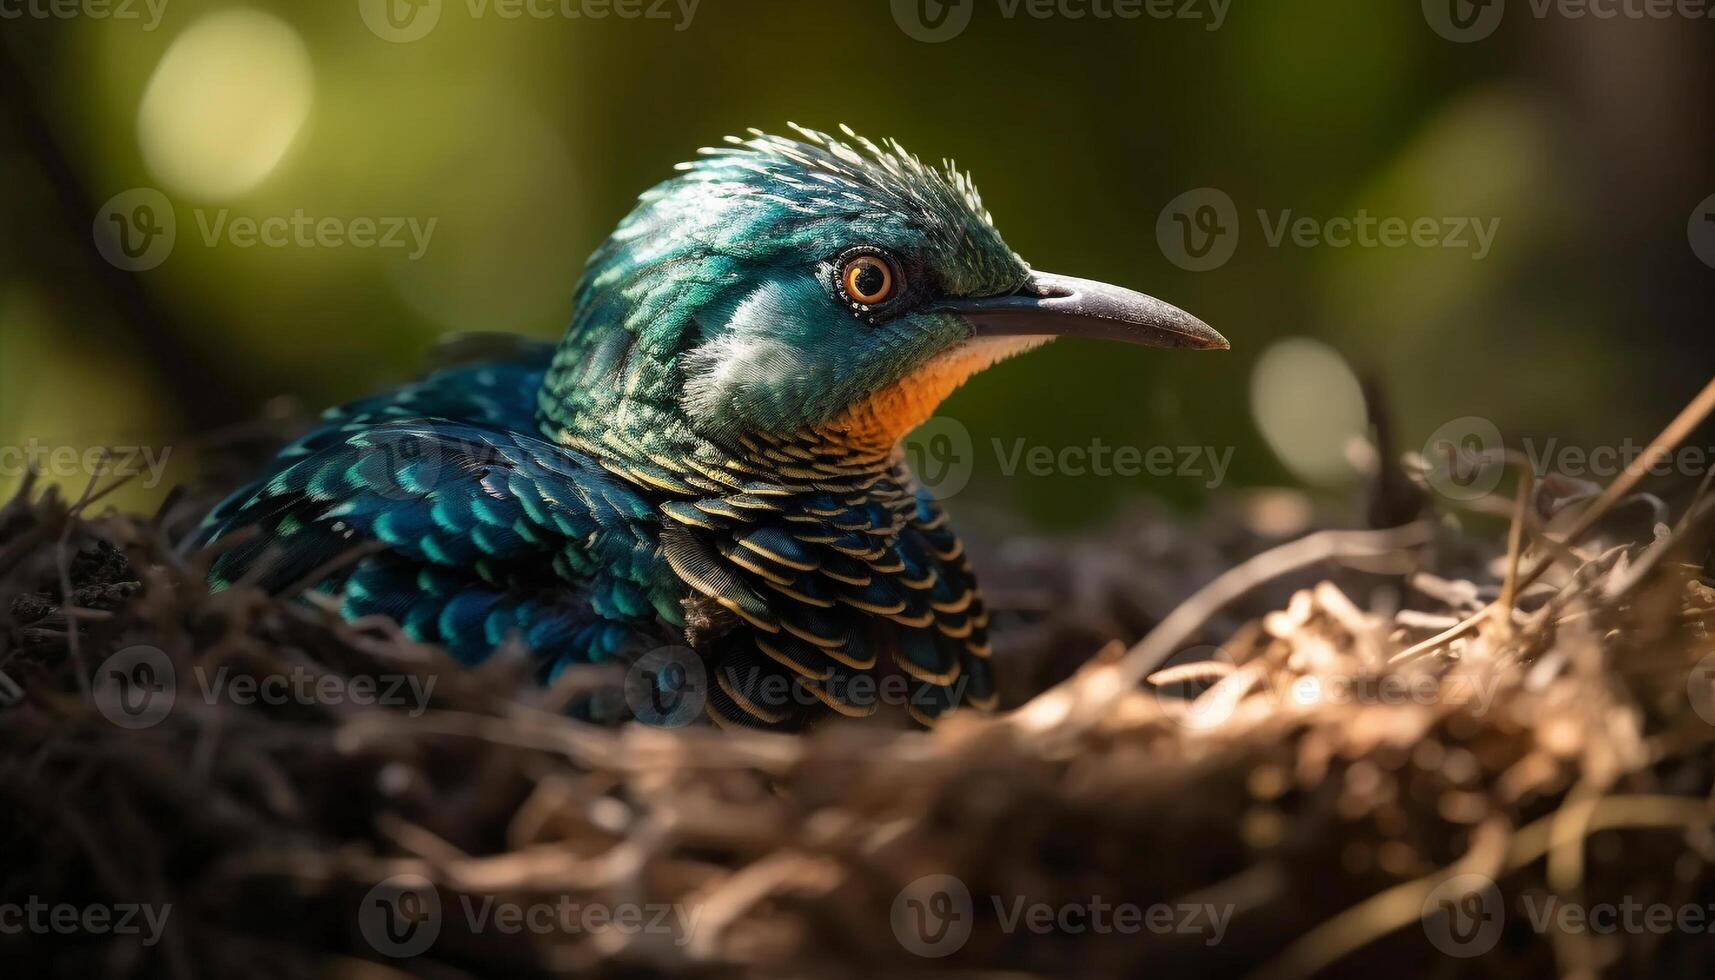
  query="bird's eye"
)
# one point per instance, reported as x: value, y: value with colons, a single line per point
x: 867, y: 278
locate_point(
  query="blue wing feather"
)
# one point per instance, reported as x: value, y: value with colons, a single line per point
x: 491, y: 531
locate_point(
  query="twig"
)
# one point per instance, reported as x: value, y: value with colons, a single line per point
x: 1656, y: 553
x: 1402, y: 904
x: 1682, y: 425
x: 1386, y: 911
x: 1201, y: 670
x: 1515, y: 547
x: 1089, y: 694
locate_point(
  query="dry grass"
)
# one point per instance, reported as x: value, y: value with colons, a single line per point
x: 1394, y: 718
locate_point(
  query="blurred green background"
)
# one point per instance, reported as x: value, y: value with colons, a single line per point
x: 524, y: 140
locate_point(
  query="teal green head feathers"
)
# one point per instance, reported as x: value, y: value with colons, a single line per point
x: 708, y: 461
x: 810, y: 289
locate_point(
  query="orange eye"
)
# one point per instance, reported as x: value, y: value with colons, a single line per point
x: 867, y: 279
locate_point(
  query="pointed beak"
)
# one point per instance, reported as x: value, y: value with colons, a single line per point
x: 1063, y: 306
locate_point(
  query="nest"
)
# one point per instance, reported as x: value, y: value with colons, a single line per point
x: 1228, y: 750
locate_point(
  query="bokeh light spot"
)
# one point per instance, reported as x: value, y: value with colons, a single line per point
x: 225, y: 104
x: 1308, y: 405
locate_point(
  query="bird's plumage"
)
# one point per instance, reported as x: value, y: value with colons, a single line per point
x: 486, y: 525
x: 710, y: 457
x: 659, y: 478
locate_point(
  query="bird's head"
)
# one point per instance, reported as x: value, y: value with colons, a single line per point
x: 813, y: 287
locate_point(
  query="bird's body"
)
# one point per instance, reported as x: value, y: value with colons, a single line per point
x: 710, y: 458
x: 493, y: 531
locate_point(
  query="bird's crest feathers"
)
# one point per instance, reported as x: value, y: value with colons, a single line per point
x: 891, y: 175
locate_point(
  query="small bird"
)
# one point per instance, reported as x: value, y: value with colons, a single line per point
x: 710, y: 460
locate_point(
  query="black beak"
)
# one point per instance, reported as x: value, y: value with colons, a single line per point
x: 1062, y: 306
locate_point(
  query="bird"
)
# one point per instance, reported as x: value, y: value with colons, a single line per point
x: 709, y: 462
